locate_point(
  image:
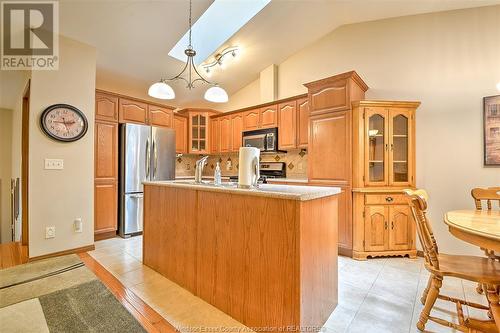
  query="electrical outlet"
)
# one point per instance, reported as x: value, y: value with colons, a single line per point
x: 78, y: 225
x: 54, y: 164
x: 300, y: 166
x: 50, y: 232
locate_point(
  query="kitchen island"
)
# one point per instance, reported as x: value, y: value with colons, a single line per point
x: 267, y: 256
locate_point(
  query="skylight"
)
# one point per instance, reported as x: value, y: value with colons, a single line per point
x: 217, y: 24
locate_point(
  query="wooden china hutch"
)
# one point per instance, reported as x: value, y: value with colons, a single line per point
x: 384, y: 147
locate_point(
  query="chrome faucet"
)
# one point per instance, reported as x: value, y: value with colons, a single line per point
x: 198, y: 172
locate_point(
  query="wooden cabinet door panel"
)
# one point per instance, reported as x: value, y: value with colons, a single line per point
x: 133, y: 111
x: 180, y: 127
x: 106, y: 207
x: 334, y: 97
x: 251, y: 120
x: 376, y: 159
x: 376, y: 228
x: 401, y: 152
x: 401, y: 228
x: 329, y: 148
x: 106, y: 107
x: 269, y: 116
x: 106, y: 150
x: 214, y: 135
x: 287, y: 119
x: 237, y: 131
x: 225, y: 134
x: 302, y: 122
x: 160, y: 116
x: 345, y: 225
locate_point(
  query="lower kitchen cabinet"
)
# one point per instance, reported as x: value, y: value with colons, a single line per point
x: 383, y: 225
x: 106, y: 208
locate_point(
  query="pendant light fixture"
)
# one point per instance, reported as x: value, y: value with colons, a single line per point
x: 162, y: 90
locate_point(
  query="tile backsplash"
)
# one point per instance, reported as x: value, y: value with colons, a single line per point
x: 296, y: 163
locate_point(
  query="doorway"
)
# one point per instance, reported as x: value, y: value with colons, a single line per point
x: 25, y: 165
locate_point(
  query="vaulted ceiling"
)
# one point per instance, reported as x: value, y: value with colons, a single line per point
x: 133, y: 38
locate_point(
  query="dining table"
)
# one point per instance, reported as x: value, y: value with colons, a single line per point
x: 480, y: 228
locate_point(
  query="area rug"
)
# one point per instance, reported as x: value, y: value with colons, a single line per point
x: 59, y: 295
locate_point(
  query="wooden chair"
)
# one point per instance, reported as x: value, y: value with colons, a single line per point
x: 475, y: 269
x: 486, y: 194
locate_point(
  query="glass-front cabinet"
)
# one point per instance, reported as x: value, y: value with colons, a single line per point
x: 387, y: 147
x: 198, y: 136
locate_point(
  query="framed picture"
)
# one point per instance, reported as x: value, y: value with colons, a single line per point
x: 492, y: 131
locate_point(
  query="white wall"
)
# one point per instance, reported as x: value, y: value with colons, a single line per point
x: 57, y: 197
x: 449, y: 61
x: 5, y: 173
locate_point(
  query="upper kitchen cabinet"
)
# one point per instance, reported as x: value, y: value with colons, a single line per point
x: 330, y: 154
x: 386, y: 141
x: 214, y: 135
x: 180, y: 125
x: 237, y: 131
x: 251, y: 120
x: 198, y: 130
x: 302, y: 122
x: 268, y: 116
x: 287, y: 130
x: 335, y: 93
x: 225, y: 134
x: 133, y: 111
x: 106, y: 107
x: 160, y: 116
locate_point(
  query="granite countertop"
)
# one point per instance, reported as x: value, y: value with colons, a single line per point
x: 288, y: 180
x: 290, y: 192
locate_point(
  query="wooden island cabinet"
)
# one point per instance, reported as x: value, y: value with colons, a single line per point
x: 266, y: 258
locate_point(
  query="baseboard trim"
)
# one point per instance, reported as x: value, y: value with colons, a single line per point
x: 345, y: 252
x: 63, y: 253
x: 104, y: 235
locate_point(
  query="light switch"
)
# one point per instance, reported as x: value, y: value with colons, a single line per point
x: 54, y: 164
x: 77, y: 225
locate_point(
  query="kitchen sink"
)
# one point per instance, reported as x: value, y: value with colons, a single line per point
x: 206, y: 183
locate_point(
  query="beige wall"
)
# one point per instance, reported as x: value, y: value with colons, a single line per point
x: 5, y: 173
x: 57, y: 197
x: 449, y: 61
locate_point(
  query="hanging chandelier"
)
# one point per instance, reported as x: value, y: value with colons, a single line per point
x: 162, y: 90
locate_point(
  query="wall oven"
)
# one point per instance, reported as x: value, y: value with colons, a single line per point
x: 264, y: 139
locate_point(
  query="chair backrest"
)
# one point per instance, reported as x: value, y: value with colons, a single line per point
x: 485, y: 194
x: 418, y: 205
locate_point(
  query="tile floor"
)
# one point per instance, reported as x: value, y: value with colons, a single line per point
x: 378, y: 295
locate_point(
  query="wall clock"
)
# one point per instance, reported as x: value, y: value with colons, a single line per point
x: 64, y: 122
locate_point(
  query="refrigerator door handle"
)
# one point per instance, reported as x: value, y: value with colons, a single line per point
x: 155, y: 156
x: 148, y: 158
x: 137, y: 196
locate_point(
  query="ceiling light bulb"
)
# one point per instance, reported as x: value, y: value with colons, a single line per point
x: 161, y: 90
x: 498, y: 86
x: 216, y: 95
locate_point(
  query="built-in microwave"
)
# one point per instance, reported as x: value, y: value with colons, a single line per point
x: 264, y: 139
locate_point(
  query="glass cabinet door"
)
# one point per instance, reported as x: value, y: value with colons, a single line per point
x: 199, y: 132
x: 399, y: 147
x: 376, y: 146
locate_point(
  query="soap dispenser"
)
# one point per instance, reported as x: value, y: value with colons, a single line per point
x: 217, y: 175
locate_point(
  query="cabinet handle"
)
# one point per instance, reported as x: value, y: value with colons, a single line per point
x: 386, y: 146
x: 392, y: 224
x: 385, y: 225
x: 392, y: 146
x: 389, y: 199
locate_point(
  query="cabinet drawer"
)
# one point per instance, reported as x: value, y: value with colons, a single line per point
x: 386, y: 199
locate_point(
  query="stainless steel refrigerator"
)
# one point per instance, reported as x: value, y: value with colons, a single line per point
x: 146, y: 153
